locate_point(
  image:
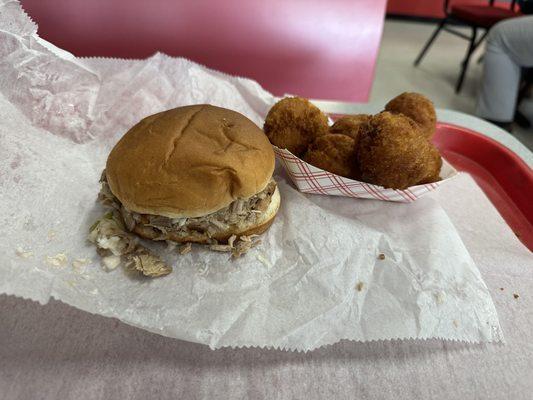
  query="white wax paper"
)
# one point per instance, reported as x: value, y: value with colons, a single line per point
x: 317, y: 277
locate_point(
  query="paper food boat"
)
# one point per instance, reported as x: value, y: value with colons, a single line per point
x: 310, y: 179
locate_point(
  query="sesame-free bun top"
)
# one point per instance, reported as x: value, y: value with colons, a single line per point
x: 189, y: 162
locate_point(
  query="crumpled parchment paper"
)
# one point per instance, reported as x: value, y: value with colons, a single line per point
x: 329, y: 268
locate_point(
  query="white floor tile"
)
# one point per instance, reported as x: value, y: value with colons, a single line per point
x: 436, y: 75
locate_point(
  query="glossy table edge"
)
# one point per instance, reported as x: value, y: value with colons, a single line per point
x: 443, y: 115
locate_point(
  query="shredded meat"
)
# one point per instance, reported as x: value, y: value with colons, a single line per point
x: 109, y: 236
x: 241, y: 210
x: 147, y: 263
x: 115, y: 245
x: 186, y: 248
x: 237, y: 247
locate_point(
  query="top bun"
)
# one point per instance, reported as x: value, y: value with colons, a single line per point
x: 189, y: 162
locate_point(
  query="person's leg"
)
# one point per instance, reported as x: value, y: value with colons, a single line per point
x: 509, y: 48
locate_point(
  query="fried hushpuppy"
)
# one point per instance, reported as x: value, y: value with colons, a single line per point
x: 333, y: 153
x: 395, y: 153
x: 353, y: 125
x: 434, y: 167
x: 294, y: 123
x: 417, y: 107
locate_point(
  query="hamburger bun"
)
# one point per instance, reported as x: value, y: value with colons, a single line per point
x: 189, y: 162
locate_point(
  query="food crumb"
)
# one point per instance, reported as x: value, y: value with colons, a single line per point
x: 359, y: 286
x: 51, y: 235
x: 23, y: 253
x: 111, y: 262
x: 59, y: 260
x: 381, y: 256
x: 79, y: 263
x: 516, y: 296
x: 455, y: 323
x: 72, y: 283
x: 440, y: 297
x: 186, y: 248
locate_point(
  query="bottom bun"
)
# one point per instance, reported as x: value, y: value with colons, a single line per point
x: 259, y: 226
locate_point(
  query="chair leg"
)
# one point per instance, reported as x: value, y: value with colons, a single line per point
x: 481, y: 39
x: 464, y: 64
x: 429, y: 42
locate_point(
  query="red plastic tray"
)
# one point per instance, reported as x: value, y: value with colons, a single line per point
x: 504, y: 177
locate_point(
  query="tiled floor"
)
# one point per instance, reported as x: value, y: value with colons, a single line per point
x: 437, y: 74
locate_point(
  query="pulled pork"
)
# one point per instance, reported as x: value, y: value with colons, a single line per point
x: 147, y: 263
x: 117, y: 246
x: 237, y: 247
x: 241, y: 210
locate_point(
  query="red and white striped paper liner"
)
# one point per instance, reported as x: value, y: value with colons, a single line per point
x: 310, y: 179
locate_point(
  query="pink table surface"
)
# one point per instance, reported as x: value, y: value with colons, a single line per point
x: 313, y: 48
x: 59, y: 352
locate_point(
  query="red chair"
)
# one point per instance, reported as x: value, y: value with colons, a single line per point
x: 477, y: 17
